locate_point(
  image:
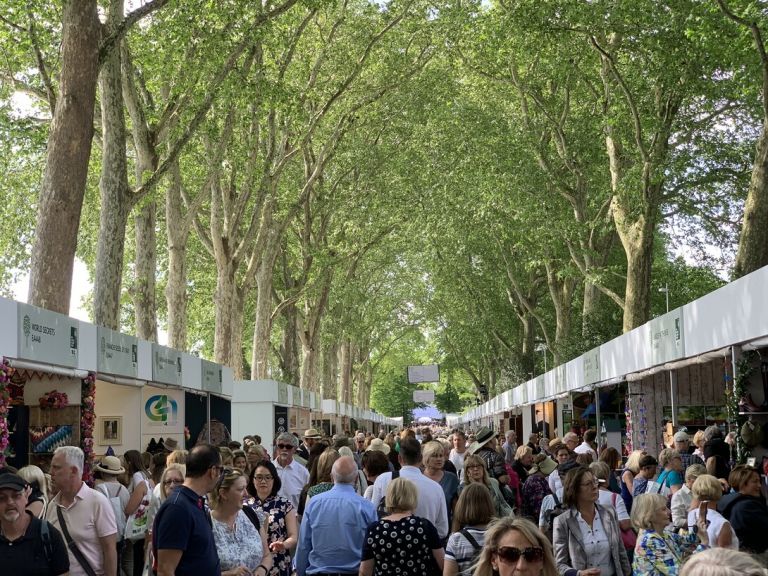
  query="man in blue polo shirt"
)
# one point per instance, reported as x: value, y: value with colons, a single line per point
x: 182, y: 535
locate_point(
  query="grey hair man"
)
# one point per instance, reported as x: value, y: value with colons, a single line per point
x: 510, y: 446
x: 334, y: 524
x: 293, y: 475
x: 84, y: 516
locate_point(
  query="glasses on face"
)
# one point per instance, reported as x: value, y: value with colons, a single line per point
x: 512, y: 554
x: 170, y: 481
x: 262, y: 477
x: 285, y: 446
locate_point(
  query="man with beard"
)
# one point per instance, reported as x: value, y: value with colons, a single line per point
x: 293, y: 475
x: 28, y: 545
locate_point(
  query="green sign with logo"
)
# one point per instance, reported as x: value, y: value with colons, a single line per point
x: 667, y: 341
x: 47, y: 337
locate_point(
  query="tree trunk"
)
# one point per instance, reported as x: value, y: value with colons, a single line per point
x: 235, y: 360
x: 176, y: 288
x: 328, y: 386
x: 67, y: 157
x: 223, y: 307
x: 753, y: 242
x: 527, y: 357
x: 289, y: 348
x: 263, y: 322
x: 345, y: 381
x: 113, y: 187
x: 144, y: 299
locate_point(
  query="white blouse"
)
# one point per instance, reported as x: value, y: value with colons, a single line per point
x: 596, y: 545
x: 239, y: 547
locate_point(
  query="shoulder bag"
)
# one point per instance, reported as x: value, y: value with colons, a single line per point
x: 72, y: 545
x: 136, y: 525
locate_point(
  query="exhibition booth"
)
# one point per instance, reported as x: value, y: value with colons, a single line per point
x: 695, y: 366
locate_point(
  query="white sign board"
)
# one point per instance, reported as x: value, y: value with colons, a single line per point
x: 423, y: 395
x: 426, y: 373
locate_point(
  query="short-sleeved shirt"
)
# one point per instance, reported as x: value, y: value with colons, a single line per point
x: 239, y: 547
x: 293, y: 478
x: 89, y: 518
x: 461, y: 551
x: 26, y: 555
x: 183, y: 524
x: 400, y: 547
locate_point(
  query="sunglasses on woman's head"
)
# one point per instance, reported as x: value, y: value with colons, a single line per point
x: 512, y: 555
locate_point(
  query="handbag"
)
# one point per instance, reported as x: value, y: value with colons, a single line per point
x: 136, y: 525
x: 628, y: 536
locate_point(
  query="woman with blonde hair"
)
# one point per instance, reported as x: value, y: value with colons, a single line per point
x: 515, y: 546
x: 722, y: 562
x: 659, y: 551
x: 474, y: 511
x: 38, y: 499
x: 475, y: 471
x: 171, y: 478
x: 433, y: 457
x: 240, y: 535
x: 523, y: 462
x: 672, y: 462
x: 386, y: 539
x: 631, y: 469
x: 708, y: 489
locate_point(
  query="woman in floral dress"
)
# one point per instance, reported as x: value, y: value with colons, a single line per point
x: 277, y: 512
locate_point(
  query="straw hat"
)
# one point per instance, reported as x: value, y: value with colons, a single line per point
x: 483, y: 436
x: 312, y: 433
x: 171, y: 444
x: 378, y: 445
x: 546, y: 466
x: 109, y: 465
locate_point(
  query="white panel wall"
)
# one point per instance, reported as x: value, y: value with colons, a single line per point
x: 254, y: 391
x: 9, y: 335
x: 191, y: 372
x: 628, y: 353
x: 145, y: 360
x: 733, y: 314
x: 88, y: 350
x: 253, y: 418
x: 120, y: 400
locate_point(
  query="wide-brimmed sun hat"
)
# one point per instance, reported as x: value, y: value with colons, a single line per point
x: 109, y: 465
x: 312, y: 433
x: 483, y: 436
x: 378, y: 445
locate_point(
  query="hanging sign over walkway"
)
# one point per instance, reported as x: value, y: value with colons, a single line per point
x: 47, y: 337
x: 118, y: 353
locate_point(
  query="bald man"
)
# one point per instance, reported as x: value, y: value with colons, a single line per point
x: 333, y: 526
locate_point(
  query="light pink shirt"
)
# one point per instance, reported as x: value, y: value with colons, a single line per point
x: 89, y: 518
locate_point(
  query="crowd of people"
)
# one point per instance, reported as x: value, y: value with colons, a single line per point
x: 426, y: 501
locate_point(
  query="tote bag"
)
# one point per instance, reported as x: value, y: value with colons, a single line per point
x: 136, y: 525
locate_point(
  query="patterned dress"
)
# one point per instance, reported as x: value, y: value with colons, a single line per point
x: 662, y: 554
x: 239, y: 547
x: 535, y: 489
x: 402, y: 547
x: 275, y: 509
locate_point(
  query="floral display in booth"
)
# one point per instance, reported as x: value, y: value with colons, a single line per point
x: 628, y: 417
x: 187, y: 435
x: 6, y: 371
x: 54, y: 399
x: 735, y: 398
x: 87, y: 423
x: 642, y: 424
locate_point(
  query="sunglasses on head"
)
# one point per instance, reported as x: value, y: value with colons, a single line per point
x: 512, y: 555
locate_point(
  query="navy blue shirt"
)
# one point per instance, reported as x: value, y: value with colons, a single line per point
x: 26, y: 556
x: 182, y: 523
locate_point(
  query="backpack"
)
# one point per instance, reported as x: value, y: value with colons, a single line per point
x: 117, y: 508
x: 381, y: 509
x: 552, y: 514
x: 475, y: 545
x: 45, y: 538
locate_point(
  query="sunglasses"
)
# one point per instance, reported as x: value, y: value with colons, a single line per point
x: 173, y: 481
x: 225, y: 471
x: 512, y: 555
x: 285, y: 446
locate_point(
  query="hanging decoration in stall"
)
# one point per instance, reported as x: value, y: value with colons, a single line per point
x: 87, y: 423
x: 628, y: 419
x: 642, y: 424
x: 54, y: 399
x: 5, y: 404
x: 735, y: 393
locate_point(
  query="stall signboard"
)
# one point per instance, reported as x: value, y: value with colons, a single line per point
x: 47, y: 337
x: 281, y: 419
x: 212, y: 373
x: 561, y: 383
x: 166, y: 365
x: 282, y: 393
x: 118, y: 353
x: 592, y: 366
x: 667, y: 341
x: 162, y: 411
x: 305, y: 398
x: 540, y: 395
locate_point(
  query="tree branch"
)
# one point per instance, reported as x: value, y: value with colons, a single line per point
x: 108, y: 44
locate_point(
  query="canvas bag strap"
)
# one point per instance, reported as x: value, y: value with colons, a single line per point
x: 72, y: 545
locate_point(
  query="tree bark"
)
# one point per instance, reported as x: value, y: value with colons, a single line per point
x: 753, y: 241
x: 176, y: 288
x: 329, y: 384
x: 144, y: 296
x: 262, y: 325
x: 223, y: 309
x: 114, y: 191
x: 67, y: 157
x: 345, y: 372
x: 289, y: 350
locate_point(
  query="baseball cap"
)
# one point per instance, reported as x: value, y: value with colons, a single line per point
x: 12, y: 481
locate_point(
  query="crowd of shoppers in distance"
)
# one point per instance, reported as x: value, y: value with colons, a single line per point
x: 422, y: 502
